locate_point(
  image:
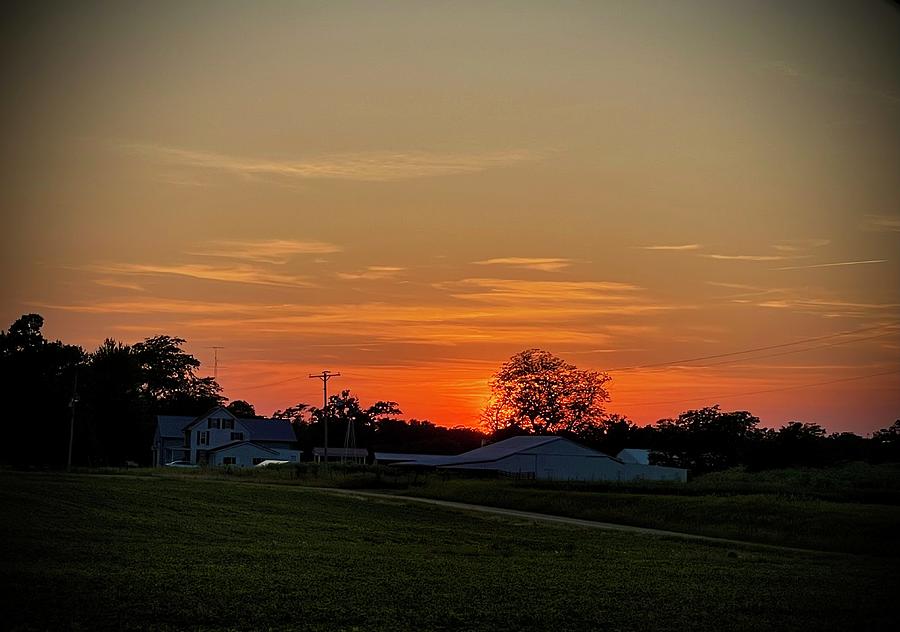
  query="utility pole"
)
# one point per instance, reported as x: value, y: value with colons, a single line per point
x: 215, y: 361
x: 72, y: 403
x: 325, y: 376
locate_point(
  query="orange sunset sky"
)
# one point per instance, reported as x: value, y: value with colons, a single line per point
x: 411, y: 192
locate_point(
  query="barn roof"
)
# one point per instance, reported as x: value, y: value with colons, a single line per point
x: 502, y: 449
x: 496, y: 451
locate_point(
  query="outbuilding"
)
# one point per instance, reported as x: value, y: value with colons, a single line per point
x: 550, y: 458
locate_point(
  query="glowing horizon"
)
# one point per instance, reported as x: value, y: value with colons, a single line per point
x: 411, y: 193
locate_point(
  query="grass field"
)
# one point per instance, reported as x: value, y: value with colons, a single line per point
x: 765, y: 518
x: 93, y: 552
x: 807, y: 508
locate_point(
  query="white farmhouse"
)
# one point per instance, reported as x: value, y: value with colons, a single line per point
x: 219, y: 438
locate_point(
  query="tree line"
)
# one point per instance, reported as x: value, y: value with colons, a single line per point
x: 535, y: 392
x: 116, y: 391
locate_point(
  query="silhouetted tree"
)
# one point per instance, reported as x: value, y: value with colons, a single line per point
x: 300, y: 414
x: 611, y: 435
x: 37, y: 387
x: 423, y: 436
x: 114, y: 424
x: 539, y: 393
x: 799, y: 443
x: 242, y: 409
x: 887, y: 443
x: 704, y: 439
x: 170, y: 381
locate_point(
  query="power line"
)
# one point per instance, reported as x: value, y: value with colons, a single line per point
x: 790, y: 351
x: 255, y: 386
x: 768, y: 390
x: 745, y: 351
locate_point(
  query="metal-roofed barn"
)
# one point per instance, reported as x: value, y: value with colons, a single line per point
x: 550, y: 458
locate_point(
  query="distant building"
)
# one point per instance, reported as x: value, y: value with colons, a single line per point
x: 634, y: 455
x: 219, y: 438
x: 389, y: 458
x: 550, y: 458
x: 344, y: 455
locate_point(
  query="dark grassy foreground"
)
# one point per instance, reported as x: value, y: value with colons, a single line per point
x: 765, y: 518
x: 90, y: 552
x: 850, y: 509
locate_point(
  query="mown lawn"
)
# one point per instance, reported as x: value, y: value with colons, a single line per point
x: 91, y: 552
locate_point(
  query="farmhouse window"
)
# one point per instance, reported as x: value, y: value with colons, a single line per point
x: 237, y: 436
x: 229, y: 460
x: 227, y: 424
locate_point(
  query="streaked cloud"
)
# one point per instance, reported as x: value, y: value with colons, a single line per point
x: 119, y: 284
x: 277, y: 251
x: 834, y: 264
x: 152, y: 305
x: 492, y: 290
x: 744, y: 290
x: 674, y: 247
x: 746, y: 257
x: 828, y: 304
x: 882, y: 223
x: 372, y: 273
x: 230, y: 274
x: 800, y: 245
x: 380, y: 166
x: 550, y: 264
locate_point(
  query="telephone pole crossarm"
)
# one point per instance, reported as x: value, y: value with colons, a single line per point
x: 325, y: 376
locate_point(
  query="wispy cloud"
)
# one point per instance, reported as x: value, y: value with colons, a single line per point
x: 382, y: 166
x: 119, y: 284
x: 232, y: 274
x: 494, y: 290
x: 812, y: 303
x: 834, y: 264
x: 675, y: 247
x: 372, y: 273
x: 550, y: 264
x: 800, y: 245
x: 277, y: 251
x: 745, y: 290
x: 882, y: 223
x: 734, y: 286
x: 569, y: 299
x: 747, y: 257
x: 155, y: 305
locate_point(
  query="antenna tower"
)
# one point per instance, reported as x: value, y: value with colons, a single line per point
x: 215, y: 361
